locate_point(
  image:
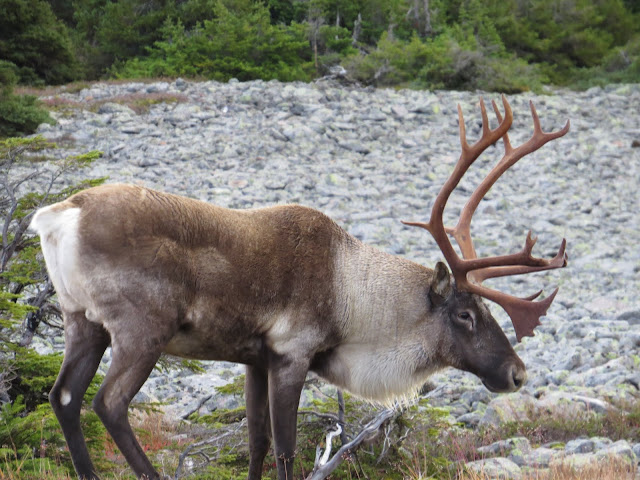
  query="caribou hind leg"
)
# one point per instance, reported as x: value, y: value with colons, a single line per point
x: 130, y: 367
x: 85, y: 343
x: 137, y: 341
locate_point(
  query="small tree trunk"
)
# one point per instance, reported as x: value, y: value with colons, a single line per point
x: 357, y: 27
x: 428, y: 29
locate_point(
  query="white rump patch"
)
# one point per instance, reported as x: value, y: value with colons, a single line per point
x: 65, y: 397
x: 58, y: 230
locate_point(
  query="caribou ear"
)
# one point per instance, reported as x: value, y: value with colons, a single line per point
x: 440, y: 284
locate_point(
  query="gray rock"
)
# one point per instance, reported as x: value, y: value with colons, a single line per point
x: 619, y: 453
x: 539, y: 458
x: 636, y: 450
x: 631, y: 316
x: 469, y: 420
x: 506, y: 447
x: 355, y: 147
x: 577, y: 462
x: 507, y: 408
x: 131, y: 128
x: 579, y: 445
x: 116, y: 109
x: 620, y: 449
x: 495, y: 469
x: 148, y: 162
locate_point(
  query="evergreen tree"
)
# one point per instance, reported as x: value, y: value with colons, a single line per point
x: 34, y: 40
x: 19, y: 114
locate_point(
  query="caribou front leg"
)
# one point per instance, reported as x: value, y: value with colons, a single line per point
x: 257, y: 399
x: 287, y: 373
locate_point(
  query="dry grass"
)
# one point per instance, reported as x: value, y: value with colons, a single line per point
x: 140, y: 103
x: 54, y: 98
x: 75, y: 87
x: 160, y: 437
x: 51, y: 90
x: 156, y: 431
x: 619, y: 423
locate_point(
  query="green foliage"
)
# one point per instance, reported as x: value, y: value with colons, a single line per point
x: 112, y: 32
x: 504, y: 45
x: 33, y: 39
x: 20, y: 263
x: 564, y: 35
x: 620, y: 65
x: 221, y: 416
x: 36, y: 375
x: 229, y: 467
x: 452, y: 60
x: 27, y: 377
x: 233, y: 388
x: 168, y: 363
x: 28, y: 423
x: 27, y: 431
x: 238, y: 43
x: 19, y: 114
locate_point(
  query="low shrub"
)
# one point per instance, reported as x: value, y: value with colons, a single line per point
x: 19, y: 114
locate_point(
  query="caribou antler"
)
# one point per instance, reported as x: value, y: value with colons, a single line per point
x: 470, y: 271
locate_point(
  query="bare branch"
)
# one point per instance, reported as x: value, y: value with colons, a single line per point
x: 329, y: 416
x: 321, y: 472
x: 208, y: 442
x: 202, y: 401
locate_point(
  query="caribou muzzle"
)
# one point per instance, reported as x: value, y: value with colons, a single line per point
x: 510, y: 377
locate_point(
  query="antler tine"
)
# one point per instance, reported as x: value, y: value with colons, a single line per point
x: 470, y: 153
x: 486, y: 129
x: 505, y: 137
x: 559, y: 261
x: 469, y: 271
x: 524, y: 312
x: 463, y: 130
x: 462, y: 231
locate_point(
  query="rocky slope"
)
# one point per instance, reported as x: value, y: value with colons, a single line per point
x: 369, y: 158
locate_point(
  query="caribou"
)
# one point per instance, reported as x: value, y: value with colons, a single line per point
x: 283, y: 290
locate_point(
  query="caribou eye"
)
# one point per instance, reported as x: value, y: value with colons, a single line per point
x: 467, y: 319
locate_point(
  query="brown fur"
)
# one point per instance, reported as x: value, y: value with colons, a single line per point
x: 282, y: 289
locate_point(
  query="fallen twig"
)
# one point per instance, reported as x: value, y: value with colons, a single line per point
x: 202, y: 401
x: 322, y: 471
x: 202, y: 443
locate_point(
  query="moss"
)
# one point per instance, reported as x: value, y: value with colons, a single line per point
x: 231, y: 467
x: 221, y: 416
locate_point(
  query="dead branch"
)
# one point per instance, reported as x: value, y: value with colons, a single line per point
x: 215, y: 441
x: 202, y: 401
x: 323, y: 470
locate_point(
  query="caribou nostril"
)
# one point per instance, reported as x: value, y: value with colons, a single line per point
x: 519, y: 376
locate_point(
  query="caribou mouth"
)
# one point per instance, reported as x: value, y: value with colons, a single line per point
x: 495, y: 389
x: 515, y: 378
